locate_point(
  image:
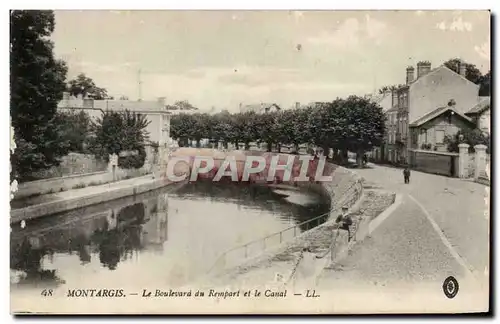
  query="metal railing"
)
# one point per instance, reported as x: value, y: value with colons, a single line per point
x: 261, y: 244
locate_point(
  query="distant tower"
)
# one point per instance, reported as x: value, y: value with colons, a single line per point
x: 139, y: 84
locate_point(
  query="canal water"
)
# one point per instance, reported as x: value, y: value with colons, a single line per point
x: 166, y: 237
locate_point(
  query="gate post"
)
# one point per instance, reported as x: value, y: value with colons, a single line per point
x: 480, y: 160
x: 463, y: 160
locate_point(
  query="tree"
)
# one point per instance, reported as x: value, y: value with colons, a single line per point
x: 472, y: 73
x: 223, y: 128
x: 485, y: 84
x: 358, y: 125
x: 181, y: 128
x: 184, y: 105
x: 36, y: 86
x: 115, y: 132
x: 249, y: 131
x: 201, y: 128
x: 85, y: 86
x: 75, y: 128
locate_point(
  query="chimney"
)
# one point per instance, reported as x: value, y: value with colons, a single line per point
x: 410, y: 74
x: 423, y: 68
x: 462, y: 68
x: 161, y: 100
x: 79, y: 96
x: 394, y: 98
x: 297, y: 105
x: 241, y: 107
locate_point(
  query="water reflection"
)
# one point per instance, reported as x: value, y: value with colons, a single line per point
x: 167, y: 236
x: 111, y: 236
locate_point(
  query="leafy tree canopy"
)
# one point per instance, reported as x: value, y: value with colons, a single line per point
x: 37, y: 82
x: 85, y: 86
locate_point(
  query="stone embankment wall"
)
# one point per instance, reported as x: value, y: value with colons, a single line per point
x: 345, y: 189
x: 77, y: 181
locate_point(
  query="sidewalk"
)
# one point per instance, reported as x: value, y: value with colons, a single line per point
x: 62, y: 201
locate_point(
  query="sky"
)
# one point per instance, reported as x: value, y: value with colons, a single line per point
x: 223, y: 58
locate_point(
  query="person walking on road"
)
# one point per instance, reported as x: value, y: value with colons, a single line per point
x: 406, y: 174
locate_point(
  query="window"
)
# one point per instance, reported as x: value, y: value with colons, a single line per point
x: 439, y: 136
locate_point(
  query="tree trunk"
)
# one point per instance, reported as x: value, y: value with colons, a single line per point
x: 296, y: 148
x: 269, y: 146
x: 247, y: 146
x: 344, y: 156
x: 326, y: 151
x: 198, y: 143
x: 359, y: 158
x: 336, y: 156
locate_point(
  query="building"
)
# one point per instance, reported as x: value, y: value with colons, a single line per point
x: 260, y: 108
x: 426, y: 95
x: 480, y: 114
x: 155, y: 111
x: 388, y: 149
x: 430, y: 131
x: 182, y: 108
x: 385, y: 101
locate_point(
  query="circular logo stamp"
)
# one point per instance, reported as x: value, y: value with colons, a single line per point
x: 450, y: 287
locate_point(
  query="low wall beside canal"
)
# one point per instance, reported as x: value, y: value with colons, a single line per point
x: 77, y: 181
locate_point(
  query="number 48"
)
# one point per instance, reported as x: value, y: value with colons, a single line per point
x: 46, y: 292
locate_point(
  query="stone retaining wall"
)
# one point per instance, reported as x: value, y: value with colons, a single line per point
x: 345, y: 189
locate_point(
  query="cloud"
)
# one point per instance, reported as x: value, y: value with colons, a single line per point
x: 484, y: 50
x: 375, y: 29
x: 348, y: 34
x: 458, y: 24
x: 345, y: 36
x: 441, y: 25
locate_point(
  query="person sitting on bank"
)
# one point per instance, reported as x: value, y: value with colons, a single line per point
x: 344, y: 221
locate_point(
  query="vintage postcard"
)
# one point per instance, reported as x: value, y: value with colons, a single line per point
x: 250, y: 162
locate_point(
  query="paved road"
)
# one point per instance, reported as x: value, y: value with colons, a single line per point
x: 438, y: 230
x: 459, y: 208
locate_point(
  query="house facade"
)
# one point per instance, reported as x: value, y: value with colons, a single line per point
x: 430, y: 131
x: 386, y: 150
x: 480, y: 114
x: 155, y: 112
x: 426, y: 93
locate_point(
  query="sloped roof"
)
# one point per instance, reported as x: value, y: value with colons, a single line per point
x: 436, y: 113
x: 137, y: 106
x: 484, y: 103
x: 441, y: 67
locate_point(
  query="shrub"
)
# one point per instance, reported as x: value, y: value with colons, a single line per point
x: 132, y: 161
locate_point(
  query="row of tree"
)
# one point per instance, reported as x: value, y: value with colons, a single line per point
x: 353, y: 124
